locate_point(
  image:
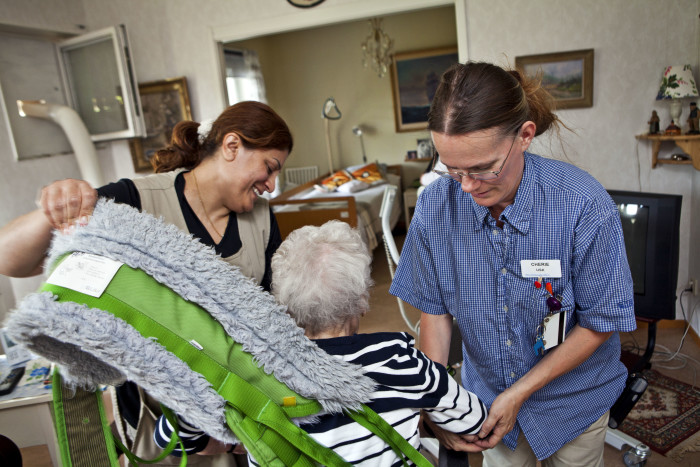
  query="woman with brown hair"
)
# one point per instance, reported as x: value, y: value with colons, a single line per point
x: 208, y: 182
x: 526, y: 253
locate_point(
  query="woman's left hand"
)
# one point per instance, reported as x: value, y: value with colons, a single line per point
x: 501, y: 419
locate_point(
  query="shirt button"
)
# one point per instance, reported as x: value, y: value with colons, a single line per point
x: 508, y: 343
x: 505, y: 307
x: 512, y: 375
x: 495, y: 231
x: 503, y: 271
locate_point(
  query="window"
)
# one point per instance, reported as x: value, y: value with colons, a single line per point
x: 101, y: 84
x: 244, y: 80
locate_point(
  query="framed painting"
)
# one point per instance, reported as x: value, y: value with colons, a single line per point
x: 568, y: 76
x: 164, y: 104
x: 414, y: 79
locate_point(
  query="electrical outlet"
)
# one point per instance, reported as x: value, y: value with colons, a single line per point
x: 693, y: 286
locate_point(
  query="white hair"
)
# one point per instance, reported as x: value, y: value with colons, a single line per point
x: 322, y: 275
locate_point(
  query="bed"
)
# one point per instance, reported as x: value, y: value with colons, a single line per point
x: 304, y: 205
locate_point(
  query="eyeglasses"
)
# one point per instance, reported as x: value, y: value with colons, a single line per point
x: 487, y: 175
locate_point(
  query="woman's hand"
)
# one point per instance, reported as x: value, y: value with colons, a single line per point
x: 580, y: 344
x: 452, y: 441
x: 501, y: 419
x: 66, y: 203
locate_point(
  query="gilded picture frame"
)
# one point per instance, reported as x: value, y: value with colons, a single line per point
x: 568, y: 76
x: 414, y: 79
x: 164, y: 103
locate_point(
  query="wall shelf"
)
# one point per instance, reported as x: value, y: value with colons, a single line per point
x: 690, y: 144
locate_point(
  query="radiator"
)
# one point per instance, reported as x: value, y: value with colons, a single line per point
x: 300, y: 175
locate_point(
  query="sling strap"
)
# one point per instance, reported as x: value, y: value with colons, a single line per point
x: 369, y: 419
x: 226, y: 356
x: 81, y: 426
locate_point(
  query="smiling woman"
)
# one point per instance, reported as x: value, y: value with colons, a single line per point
x: 208, y: 183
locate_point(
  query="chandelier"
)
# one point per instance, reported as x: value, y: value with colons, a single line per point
x: 377, y: 48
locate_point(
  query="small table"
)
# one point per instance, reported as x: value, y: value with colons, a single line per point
x: 27, y: 422
x: 25, y: 413
x: 410, y: 197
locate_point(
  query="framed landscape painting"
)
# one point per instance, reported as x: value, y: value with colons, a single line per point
x: 414, y: 79
x: 568, y: 76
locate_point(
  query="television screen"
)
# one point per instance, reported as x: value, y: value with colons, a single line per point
x: 635, y: 222
x: 651, y: 227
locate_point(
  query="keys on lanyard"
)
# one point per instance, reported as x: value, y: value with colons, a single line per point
x: 554, y: 305
x: 539, y: 341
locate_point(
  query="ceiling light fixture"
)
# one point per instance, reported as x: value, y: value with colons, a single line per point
x: 377, y: 48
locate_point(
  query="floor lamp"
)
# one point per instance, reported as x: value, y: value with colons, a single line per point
x: 330, y: 112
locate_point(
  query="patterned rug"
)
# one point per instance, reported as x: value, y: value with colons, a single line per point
x: 667, y: 415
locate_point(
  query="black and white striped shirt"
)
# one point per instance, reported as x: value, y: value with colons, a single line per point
x: 407, y: 381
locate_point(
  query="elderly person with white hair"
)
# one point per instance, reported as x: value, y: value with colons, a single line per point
x: 322, y: 275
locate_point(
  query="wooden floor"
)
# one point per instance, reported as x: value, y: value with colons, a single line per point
x: 36, y: 456
x: 384, y: 316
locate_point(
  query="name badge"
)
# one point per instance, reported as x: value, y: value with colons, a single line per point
x: 540, y: 268
x: 85, y: 273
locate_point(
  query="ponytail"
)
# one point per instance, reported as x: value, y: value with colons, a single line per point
x: 258, y: 126
x: 183, y: 151
x: 477, y: 96
x: 540, y: 102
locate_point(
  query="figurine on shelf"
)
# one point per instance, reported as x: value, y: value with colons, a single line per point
x: 672, y: 129
x: 654, y: 123
x: 693, y: 128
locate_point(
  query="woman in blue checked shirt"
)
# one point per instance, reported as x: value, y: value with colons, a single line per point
x: 527, y: 254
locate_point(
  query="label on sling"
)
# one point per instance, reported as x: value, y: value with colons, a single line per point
x: 85, y: 273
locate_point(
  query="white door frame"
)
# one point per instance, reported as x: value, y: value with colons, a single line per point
x: 311, y: 18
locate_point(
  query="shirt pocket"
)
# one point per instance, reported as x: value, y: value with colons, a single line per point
x: 563, y: 291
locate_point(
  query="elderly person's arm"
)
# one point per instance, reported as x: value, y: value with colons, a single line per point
x: 435, y: 336
x: 456, y: 410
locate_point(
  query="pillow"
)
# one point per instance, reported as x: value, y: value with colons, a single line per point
x: 334, y: 181
x: 370, y: 174
x: 353, y: 186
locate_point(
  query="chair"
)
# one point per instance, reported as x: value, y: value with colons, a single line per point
x: 446, y: 457
x: 392, y: 253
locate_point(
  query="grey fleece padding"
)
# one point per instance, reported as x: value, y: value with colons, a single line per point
x: 94, y: 347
